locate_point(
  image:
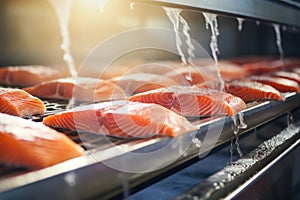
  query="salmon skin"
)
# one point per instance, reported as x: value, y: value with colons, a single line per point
x: 80, y: 88
x: 20, y: 103
x: 281, y: 84
x: 252, y: 91
x: 122, y: 119
x: 189, y: 101
x: 25, y: 76
x: 141, y: 82
x: 33, y: 145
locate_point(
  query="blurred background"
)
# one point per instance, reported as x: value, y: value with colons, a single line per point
x: 30, y: 31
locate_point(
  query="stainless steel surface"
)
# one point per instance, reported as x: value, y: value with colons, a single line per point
x: 91, y: 171
x: 256, y: 9
x: 242, y: 174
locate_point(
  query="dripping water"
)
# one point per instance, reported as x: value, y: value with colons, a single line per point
x: 180, y: 25
x: 101, y: 4
x: 242, y: 124
x: 278, y: 40
x: 71, y: 103
x: 238, y: 148
x: 131, y: 5
x: 240, y: 23
x: 212, y: 23
x: 173, y: 14
x: 231, y: 152
x: 290, y: 118
x: 239, y: 124
x: 62, y: 9
x: 125, y: 185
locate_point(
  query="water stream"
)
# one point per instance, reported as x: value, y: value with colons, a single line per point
x: 181, y: 26
x: 278, y: 41
x: 62, y: 9
x: 212, y: 23
x: 101, y: 4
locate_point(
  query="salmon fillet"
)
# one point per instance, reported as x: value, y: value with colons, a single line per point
x: 122, y: 119
x: 20, y: 103
x: 263, y: 67
x: 80, y: 88
x: 33, y: 145
x: 287, y: 75
x: 228, y: 70
x: 281, y: 84
x: 189, y: 101
x: 188, y: 75
x: 295, y: 70
x: 25, y: 76
x: 251, y: 59
x: 141, y: 82
x: 252, y: 91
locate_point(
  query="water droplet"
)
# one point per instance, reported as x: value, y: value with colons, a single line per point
x: 131, y: 5
x: 240, y: 23
x: 70, y: 179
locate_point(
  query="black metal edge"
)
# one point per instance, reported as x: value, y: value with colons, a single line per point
x: 235, y: 178
x: 90, y: 172
x: 252, y: 9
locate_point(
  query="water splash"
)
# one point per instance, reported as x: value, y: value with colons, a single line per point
x: 197, y: 142
x: 240, y: 23
x: 278, y: 40
x: 101, y: 4
x: 212, y: 23
x: 62, y: 9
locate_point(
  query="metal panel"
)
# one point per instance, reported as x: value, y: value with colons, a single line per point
x: 256, y: 9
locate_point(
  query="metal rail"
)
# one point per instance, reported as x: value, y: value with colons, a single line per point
x: 264, y: 10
